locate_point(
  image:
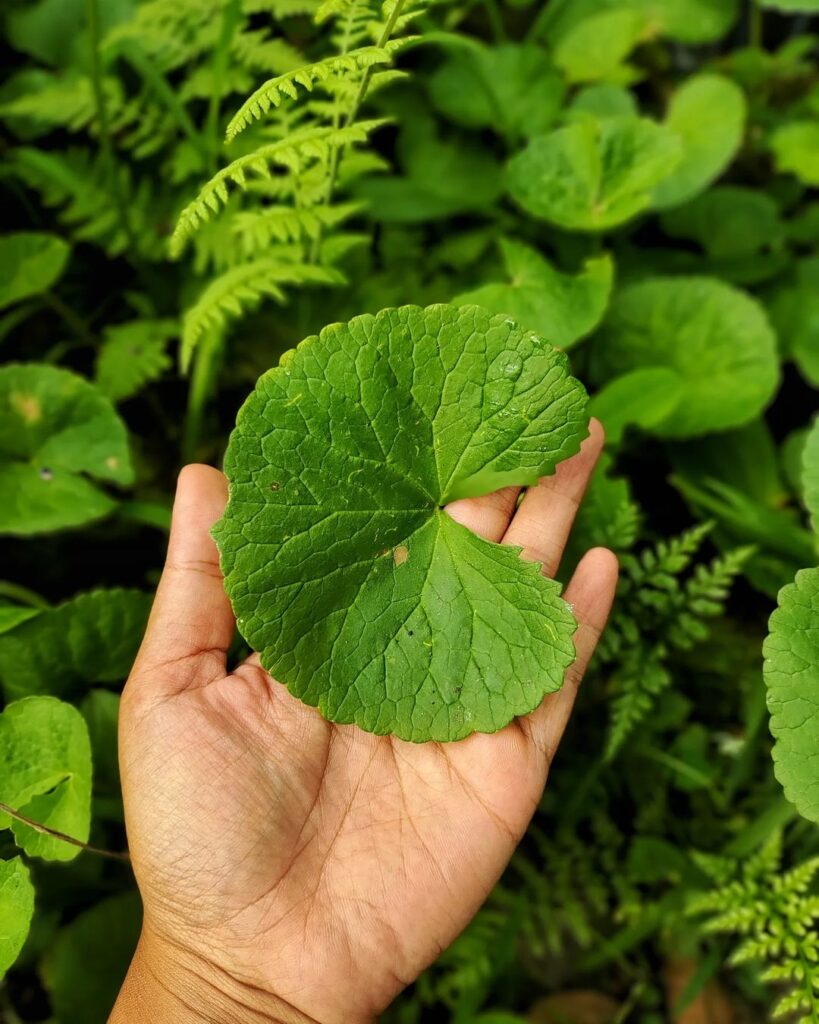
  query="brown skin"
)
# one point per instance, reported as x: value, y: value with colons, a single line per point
x: 293, y: 870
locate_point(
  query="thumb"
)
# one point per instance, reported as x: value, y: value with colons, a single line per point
x: 191, y: 623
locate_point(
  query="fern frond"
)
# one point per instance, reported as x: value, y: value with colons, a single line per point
x: 776, y: 915
x: 637, y: 685
x: 256, y: 50
x: 309, y: 143
x: 132, y: 355
x: 308, y: 77
x: 73, y: 182
x: 281, y: 8
x: 243, y: 288
x: 69, y: 103
x: 256, y: 229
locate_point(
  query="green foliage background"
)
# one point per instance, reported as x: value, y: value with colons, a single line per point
x: 636, y: 180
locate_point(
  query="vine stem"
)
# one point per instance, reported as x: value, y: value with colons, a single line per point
x: 61, y: 836
x: 93, y: 15
x: 383, y: 39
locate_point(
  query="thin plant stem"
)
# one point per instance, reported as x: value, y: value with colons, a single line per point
x: 23, y: 595
x: 75, y: 323
x: 755, y: 25
x: 351, y: 116
x: 61, y: 836
x: 495, y: 20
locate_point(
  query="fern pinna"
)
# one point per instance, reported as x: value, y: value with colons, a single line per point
x: 294, y: 160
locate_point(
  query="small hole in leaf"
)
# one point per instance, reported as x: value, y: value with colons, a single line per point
x: 409, y: 632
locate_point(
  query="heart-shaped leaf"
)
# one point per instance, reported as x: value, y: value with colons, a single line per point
x: 561, y: 307
x: 45, y: 773
x: 358, y: 590
x: 56, y: 430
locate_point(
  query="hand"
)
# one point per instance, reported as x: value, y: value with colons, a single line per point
x: 295, y: 870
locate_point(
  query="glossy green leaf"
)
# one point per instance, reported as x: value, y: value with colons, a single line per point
x: 810, y: 474
x: 92, y: 638
x: 132, y: 355
x: 86, y: 965
x: 715, y: 337
x: 561, y: 307
x: 796, y: 150
x: 16, y: 910
x: 708, y: 113
x: 595, y: 48
x: 512, y: 89
x: 30, y: 263
x: 792, y: 676
x: 359, y: 592
x: 593, y: 175
x: 56, y: 431
x: 640, y: 398
x: 45, y: 773
x: 689, y: 21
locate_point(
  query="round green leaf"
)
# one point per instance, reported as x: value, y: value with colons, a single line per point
x: 56, y: 430
x: 29, y: 263
x: 728, y: 221
x: 708, y: 114
x: 16, y: 910
x: 357, y: 589
x: 512, y: 89
x: 595, y: 48
x: 562, y: 307
x: 45, y: 773
x: 593, y: 175
x: 715, y: 337
x: 640, y: 398
x: 796, y: 150
x: 91, y: 638
x: 791, y: 668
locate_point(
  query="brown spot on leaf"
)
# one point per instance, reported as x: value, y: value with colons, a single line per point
x: 28, y: 406
x: 274, y: 486
x: 401, y: 554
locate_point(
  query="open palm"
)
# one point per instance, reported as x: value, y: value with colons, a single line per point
x: 302, y: 869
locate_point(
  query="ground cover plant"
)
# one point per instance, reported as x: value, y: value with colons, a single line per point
x: 190, y: 189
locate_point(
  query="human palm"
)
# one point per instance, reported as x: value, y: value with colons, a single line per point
x: 313, y: 869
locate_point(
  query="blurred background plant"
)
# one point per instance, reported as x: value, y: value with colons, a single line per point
x: 189, y: 188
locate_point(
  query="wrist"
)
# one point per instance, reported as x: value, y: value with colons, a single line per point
x: 165, y: 985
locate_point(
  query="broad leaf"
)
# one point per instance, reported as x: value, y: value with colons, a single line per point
x: 12, y: 615
x: 85, y: 967
x: 560, y: 307
x: 602, y: 101
x: 796, y: 150
x: 16, y: 910
x: 132, y: 355
x: 689, y: 21
x: 56, y: 430
x: 359, y: 592
x: 511, y: 89
x: 640, y: 398
x: 597, y: 46
x: 810, y: 474
x: 593, y: 175
x: 45, y: 773
x: 708, y: 114
x: 29, y: 264
x: 715, y: 337
x: 792, y: 676
x: 93, y: 638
